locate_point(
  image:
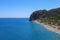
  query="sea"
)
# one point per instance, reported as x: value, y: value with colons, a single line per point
x: 23, y: 29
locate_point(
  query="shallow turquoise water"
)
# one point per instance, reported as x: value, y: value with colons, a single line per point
x: 22, y: 29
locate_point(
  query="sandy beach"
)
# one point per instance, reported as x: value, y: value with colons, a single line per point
x: 49, y: 27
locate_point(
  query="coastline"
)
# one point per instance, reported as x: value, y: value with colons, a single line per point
x: 49, y: 27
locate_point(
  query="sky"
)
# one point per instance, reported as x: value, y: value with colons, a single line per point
x: 24, y: 8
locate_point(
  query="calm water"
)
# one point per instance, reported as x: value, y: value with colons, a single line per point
x: 22, y: 29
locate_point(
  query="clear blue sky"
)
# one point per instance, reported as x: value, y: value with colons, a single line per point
x: 23, y: 8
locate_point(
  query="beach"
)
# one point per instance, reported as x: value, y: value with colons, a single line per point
x: 49, y: 27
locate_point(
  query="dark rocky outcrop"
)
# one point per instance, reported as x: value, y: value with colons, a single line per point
x: 54, y: 13
x: 37, y: 14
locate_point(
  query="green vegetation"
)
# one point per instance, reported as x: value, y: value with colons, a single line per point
x: 47, y: 16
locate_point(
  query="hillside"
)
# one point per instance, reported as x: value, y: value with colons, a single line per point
x: 51, y: 16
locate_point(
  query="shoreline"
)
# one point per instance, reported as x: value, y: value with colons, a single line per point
x: 49, y: 27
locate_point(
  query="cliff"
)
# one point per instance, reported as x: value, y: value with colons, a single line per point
x: 50, y: 16
x: 37, y: 14
x: 53, y: 13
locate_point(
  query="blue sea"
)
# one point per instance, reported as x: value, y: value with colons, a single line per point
x: 22, y: 29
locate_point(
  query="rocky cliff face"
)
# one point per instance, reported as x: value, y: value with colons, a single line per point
x: 53, y: 13
x: 37, y: 14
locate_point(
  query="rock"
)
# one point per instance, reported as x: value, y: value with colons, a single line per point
x: 37, y: 14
